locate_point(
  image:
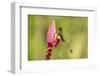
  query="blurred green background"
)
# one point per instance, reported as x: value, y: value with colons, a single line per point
x: 75, y: 32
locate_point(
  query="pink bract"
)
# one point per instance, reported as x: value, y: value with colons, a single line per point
x: 51, y: 32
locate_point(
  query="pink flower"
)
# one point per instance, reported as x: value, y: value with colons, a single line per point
x: 51, y: 32
x: 52, y: 39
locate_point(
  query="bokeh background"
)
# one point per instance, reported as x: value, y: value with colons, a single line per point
x: 75, y: 32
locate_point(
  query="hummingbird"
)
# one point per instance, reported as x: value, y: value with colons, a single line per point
x: 62, y: 39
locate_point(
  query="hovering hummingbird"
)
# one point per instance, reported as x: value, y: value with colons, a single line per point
x: 62, y: 39
x: 53, y: 39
